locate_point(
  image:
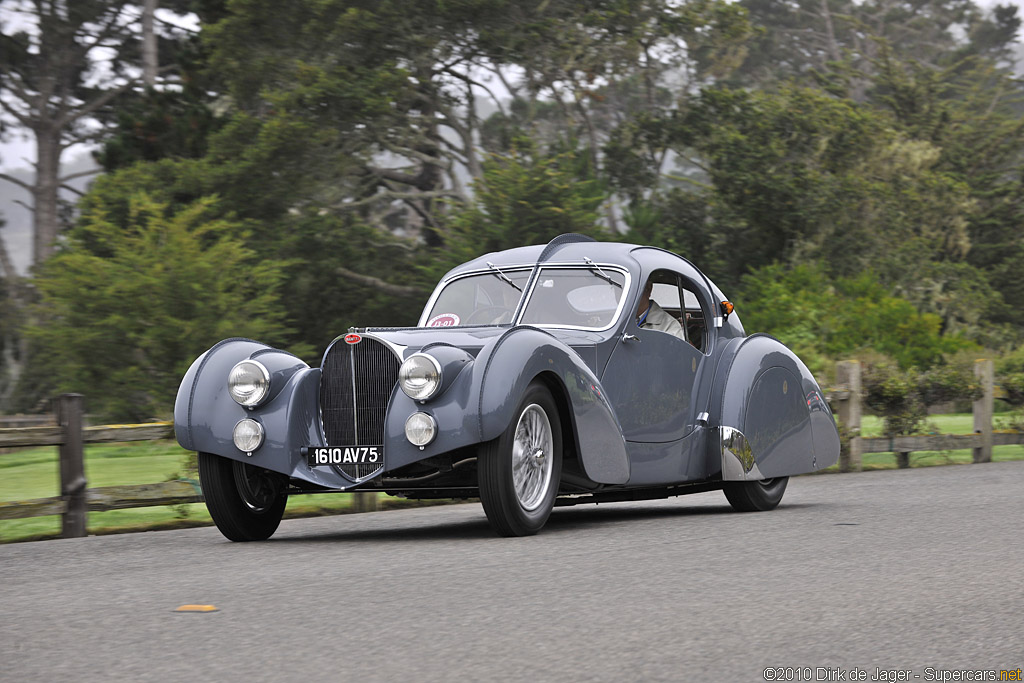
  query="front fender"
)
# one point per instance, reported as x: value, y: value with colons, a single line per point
x: 205, y: 414
x: 524, y: 353
x: 478, y: 403
x: 771, y: 416
x: 203, y: 399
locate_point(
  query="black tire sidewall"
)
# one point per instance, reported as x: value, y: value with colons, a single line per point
x: 755, y: 496
x: 496, y: 481
x: 229, y: 511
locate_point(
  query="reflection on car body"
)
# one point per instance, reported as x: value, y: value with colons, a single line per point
x: 527, y: 383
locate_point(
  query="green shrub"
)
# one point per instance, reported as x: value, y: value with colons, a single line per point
x: 901, y: 397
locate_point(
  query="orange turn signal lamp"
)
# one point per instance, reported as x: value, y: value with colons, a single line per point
x: 727, y: 308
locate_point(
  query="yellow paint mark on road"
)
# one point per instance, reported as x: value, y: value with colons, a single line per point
x: 196, y: 608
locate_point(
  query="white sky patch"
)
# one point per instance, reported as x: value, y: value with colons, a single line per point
x: 17, y: 146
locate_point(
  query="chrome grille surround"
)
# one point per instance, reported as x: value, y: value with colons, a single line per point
x: 356, y: 385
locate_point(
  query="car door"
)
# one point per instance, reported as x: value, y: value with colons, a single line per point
x: 651, y: 376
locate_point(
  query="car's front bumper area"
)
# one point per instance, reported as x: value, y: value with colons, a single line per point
x: 205, y: 416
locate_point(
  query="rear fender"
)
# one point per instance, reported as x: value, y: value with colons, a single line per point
x: 772, y: 419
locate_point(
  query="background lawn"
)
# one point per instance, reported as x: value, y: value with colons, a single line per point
x: 957, y: 423
x: 33, y: 473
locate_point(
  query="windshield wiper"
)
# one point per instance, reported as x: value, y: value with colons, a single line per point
x: 596, y: 270
x: 502, y: 276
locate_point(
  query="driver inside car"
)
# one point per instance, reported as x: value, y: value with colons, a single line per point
x: 651, y: 316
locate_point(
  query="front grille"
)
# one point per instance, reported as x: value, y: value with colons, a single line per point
x: 355, y: 389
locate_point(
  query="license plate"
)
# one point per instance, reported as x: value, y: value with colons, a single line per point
x: 344, y: 455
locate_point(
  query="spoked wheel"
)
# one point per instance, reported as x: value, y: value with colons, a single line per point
x: 519, y: 471
x: 755, y: 496
x: 245, y: 501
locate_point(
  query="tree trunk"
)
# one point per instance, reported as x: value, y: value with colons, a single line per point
x: 149, y: 50
x: 45, y: 194
x: 830, y: 34
x: 14, y: 344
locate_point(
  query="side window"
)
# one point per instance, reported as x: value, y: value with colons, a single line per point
x: 693, y: 317
x: 678, y: 310
x: 660, y: 308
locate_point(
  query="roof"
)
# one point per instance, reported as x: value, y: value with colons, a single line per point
x: 565, y: 250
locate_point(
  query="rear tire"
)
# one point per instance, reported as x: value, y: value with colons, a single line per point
x: 519, y: 472
x: 245, y: 501
x: 755, y: 496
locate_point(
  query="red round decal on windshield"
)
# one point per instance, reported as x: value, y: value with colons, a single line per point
x: 443, y: 320
x: 352, y: 338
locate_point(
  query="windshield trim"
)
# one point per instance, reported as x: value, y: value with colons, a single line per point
x: 576, y: 266
x: 424, y: 317
x: 524, y: 299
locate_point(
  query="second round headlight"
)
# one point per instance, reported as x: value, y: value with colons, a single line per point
x: 420, y: 376
x: 247, y: 435
x: 420, y: 429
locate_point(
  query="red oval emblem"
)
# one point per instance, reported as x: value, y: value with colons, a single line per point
x: 352, y: 338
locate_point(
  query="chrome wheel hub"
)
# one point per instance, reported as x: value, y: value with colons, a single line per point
x: 257, y: 487
x: 531, y: 464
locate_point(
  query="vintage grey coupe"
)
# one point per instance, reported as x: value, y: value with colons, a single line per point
x: 558, y: 374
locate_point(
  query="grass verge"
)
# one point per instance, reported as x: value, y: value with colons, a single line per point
x: 33, y: 473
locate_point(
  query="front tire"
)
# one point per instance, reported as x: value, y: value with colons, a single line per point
x: 246, y: 502
x: 755, y: 496
x: 519, y: 472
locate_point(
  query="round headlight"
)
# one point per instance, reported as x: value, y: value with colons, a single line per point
x: 247, y: 435
x: 249, y: 383
x: 420, y: 429
x: 420, y: 376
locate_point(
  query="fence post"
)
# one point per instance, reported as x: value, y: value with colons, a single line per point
x: 365, y: 501
x: 68, y: 410
x: 983, y: 409
x: 848, y: 376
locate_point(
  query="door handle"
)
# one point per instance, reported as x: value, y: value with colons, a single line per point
x: 626, y: 336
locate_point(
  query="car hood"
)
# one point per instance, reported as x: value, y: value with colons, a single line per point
x: 473, y: 339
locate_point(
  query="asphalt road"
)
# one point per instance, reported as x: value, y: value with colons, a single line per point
x: 883, y: 570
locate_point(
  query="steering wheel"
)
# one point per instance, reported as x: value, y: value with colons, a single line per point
x: 485, y: 315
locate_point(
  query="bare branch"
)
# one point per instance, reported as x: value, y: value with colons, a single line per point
x: 80, y: 174
x: 97, y: 103
x: 73, y: 140
x: 104, y: 33
x: 24, y: 205
x: 377, y: 283
x: 514, y: 92
x: 13, y: 82
x: 425, y: 215
x: 22, y: 118
x: 20, y: 183
x: 394, y: 174
x: 392, y: 196
x: 71, y: 189
x: 176, y: 27
x: 416, y: 154
x: 471, y: 82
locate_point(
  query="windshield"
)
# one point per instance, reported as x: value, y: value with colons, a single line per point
x: 575, y: 297
x: 486, y: 299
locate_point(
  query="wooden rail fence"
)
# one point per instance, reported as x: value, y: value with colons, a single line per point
x: 847, y: 399
x: 76, y: 500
